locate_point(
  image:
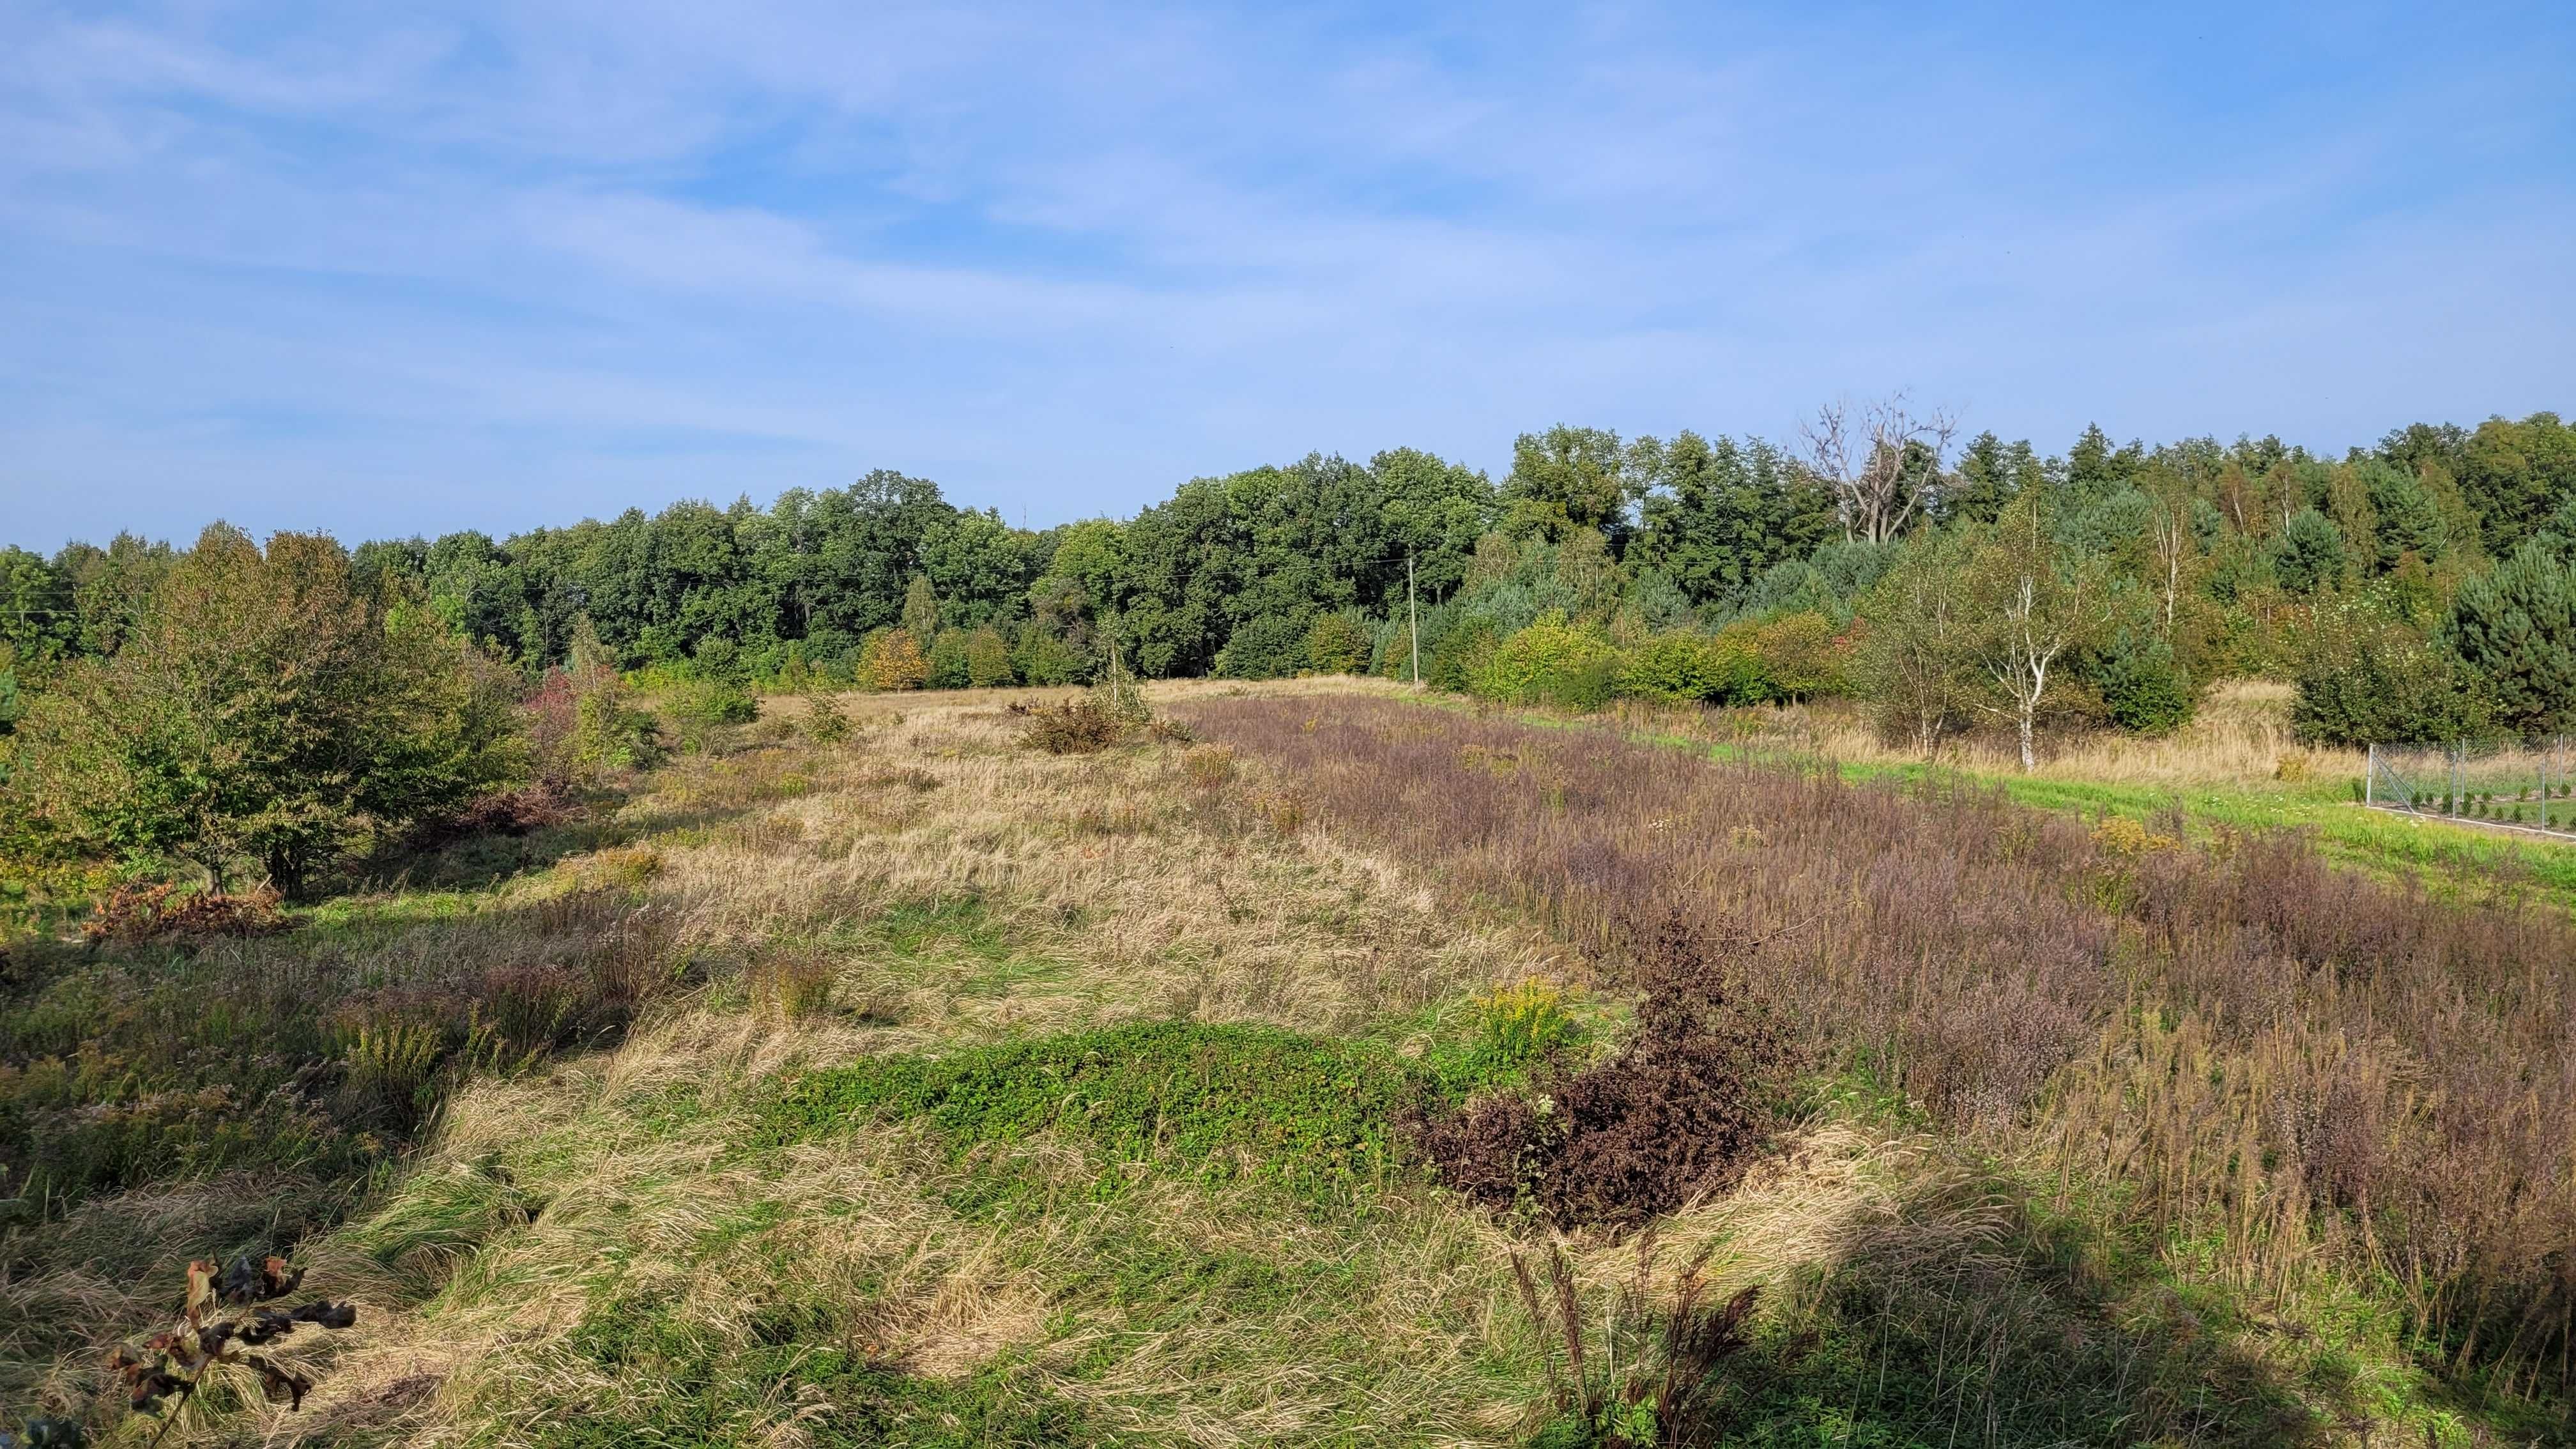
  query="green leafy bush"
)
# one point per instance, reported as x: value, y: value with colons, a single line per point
x: 2369, y: 681
x: 949, y: 666
x: 1455, y: 658
x: 1266, y: 646
x: 988, y: 659
x: 1337, y: 644
x: 2143, y: 687
x: 714, y: 702
x: 1683, y: 666
x: 1552, y: 662
x: 1044, y: 658
x: 1792, y: 657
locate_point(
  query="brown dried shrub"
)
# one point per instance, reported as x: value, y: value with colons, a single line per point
x: 1681, y: 1110
x: 1075, y: 727
x: 140, y: 914
x: 513, y: 812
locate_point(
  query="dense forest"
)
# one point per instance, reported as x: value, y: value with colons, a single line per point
x: 2421, y: 588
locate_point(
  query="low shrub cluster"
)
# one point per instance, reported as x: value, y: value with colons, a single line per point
x: 1075, y: 727
x: 1113, y: 713
x: 146, y: 914
x: 1786, y: 657
x: 1681, y: 1110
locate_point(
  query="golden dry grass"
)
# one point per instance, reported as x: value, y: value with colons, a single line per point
x: 1103, y: 888
x: 2240, y: 737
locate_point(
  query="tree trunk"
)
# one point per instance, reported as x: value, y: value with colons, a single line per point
x: 2029, y: 758
x: 286, y: 872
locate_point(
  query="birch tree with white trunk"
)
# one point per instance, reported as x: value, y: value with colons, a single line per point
x: 2031, y: 603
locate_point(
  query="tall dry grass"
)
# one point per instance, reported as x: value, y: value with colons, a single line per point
x: 2332, y: 1074
x: 2241, y: 736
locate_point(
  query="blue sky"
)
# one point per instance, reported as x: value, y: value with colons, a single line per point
x: 388, y: 269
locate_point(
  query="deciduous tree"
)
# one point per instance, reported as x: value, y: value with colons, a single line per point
x: 266, y: 708
x: 2030, y: 603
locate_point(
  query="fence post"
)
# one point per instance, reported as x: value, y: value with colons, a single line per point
x: 2459, y: 756
x: 2370, y: 778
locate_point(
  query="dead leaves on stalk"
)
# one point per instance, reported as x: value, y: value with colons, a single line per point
x: 227, y: 1313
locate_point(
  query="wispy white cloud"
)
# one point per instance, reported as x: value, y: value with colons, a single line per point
x: 1062, y: 256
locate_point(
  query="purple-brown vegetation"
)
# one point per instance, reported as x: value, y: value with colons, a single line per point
x: 1680, y: 1110
x: 2320, y: 1071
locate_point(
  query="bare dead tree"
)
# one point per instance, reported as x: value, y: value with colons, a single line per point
x: 1873, y: 456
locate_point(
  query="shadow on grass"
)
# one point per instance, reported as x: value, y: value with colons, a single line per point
x: 1968, y: 1318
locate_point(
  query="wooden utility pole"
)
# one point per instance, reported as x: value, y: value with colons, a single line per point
x: 1413, y: 618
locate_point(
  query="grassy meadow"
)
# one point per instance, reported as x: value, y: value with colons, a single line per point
x: 922, y: 1088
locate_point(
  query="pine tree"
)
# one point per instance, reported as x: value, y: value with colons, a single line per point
x: 2514, y: 633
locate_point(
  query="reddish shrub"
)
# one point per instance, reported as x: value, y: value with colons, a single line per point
x: 138, y: 914
x: 1679, y: 1111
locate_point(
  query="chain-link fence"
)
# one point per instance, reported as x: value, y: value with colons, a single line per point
x: 2514, y: 785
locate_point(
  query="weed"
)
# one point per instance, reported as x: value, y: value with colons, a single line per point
x: 1664, y: 1391
x: 1517, y: 1029
x: 165, y: 1370
x: 1209, y: 766
x: 793, y: 986
x: 826, y: 723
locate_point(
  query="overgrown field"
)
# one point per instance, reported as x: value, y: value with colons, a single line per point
x: 2238, y: 764
x: 2292, y: 1087
x: 926, y: 1088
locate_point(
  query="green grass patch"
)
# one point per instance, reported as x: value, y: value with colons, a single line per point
x: 963, y: 924
x: 1310, y: 1115
x: 683, y: 1385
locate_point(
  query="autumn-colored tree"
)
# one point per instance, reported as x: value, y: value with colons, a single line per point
x: 892, y: 659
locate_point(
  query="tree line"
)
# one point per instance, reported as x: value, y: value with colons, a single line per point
x: 2420, y: 588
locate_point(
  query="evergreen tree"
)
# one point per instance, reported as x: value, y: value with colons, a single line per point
x: 2514, y: 634
x: 2311, y: 554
